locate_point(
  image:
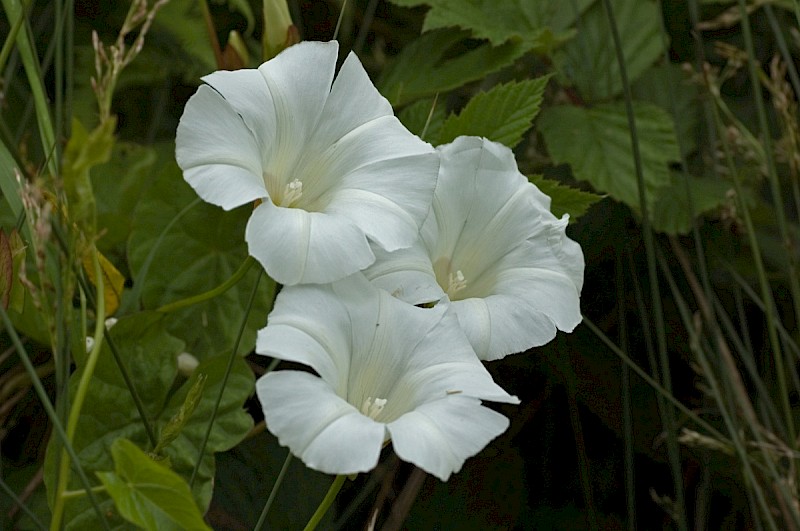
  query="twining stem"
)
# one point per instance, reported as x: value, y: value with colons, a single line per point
x: 80, y: 394
x: 336, y: 486
x: 210, y: 294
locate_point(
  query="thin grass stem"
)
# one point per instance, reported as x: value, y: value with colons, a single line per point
x: 273, y: 493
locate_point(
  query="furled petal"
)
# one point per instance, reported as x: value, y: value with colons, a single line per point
x: 318, y: 426
x: 382, y: 363
x: 296, y: 246
x: 407, y: 274
x: 439, y: 436
x: 217, y: 152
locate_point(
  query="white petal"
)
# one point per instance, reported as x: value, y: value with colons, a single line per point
x: 299, y: 81
x: 296, y: 246
x: 406, y: 274
x: 246, y: 92
x: 217, y: 152
x: 439, y: 436
x: 318, y: 426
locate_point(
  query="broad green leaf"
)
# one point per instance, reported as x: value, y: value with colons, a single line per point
x: 669, y: 87
x: 502, y: 114
x: 426, y: 66
x: 500, y: 21
x: 9, y: 185
x: 565, y: 199
x: 590, y: 61
x: 148, y: 494
x: 671, y: 212
x: 596, y: 143
x: 201, y: 251
x: 415, y: 116
x: 183, y: 21
x: 109, y: 413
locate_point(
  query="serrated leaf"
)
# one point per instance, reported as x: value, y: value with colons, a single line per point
x: 415, y: 116
x: 565, y: 199
x: 502, y: 114
x: 200, y: 252
x: 148, y: 494
x: 590, y: 61
x: 671, y: 213
x: 426, y: 66
x: 596, y: 143
x: 109, y: 413
x: 500, y: 21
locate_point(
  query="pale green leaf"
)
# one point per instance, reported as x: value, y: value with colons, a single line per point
x: 426, y: 67
x: 500, y: 21
x: 415, y: 117
x: 565, y: 199
x: 148, y: 494
x: 596, y: 143
x: 590, y: 61
x: 502, y: 114
x: 200, y: 252
x: 671, y: 211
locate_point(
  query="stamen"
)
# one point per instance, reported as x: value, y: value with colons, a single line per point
x: 372, y: 407
x: 457, y: 283
x: 292, y: 192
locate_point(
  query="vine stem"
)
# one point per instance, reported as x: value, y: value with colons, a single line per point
x: 336, y: 486
x: 80, y: 395
x: 210, y: 294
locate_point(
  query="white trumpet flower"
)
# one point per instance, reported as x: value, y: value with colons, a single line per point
x: 388, y: 371
x: 330, y: 164
x: 491, y: 245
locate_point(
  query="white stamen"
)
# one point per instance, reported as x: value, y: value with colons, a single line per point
x: 372, y: 407
x: 292, y: 192
x: 457, y: 282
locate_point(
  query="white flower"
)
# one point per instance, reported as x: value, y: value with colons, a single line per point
x: 387, y: 371
x: 328, y: 160
x: 492, y: 246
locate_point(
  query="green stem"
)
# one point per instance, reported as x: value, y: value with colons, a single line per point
x: 80, y: 394
x: 273, y: 493
x: 210, y: 294
x: 21, y: 504
x: 70, y: 494
x: 336, y: 486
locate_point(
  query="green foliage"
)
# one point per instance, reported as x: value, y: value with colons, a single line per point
x: 589, y: 60
x: 210, y: 248
x: 671, y: 212
x: 415, y: 116
x: 182, y: 21
x: 596, y: 143
x: 427, y: 66
x: 9, y: 185
x: 109, y: 413
x: 565, y: 199
x: 147, y: 494
x: 500, y: 21
x: 502, y: 114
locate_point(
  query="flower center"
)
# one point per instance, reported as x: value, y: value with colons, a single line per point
x: 456, y: 283
x: 291, y: 193
x: 372, y: 407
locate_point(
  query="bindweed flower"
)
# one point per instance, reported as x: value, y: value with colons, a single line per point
x: 387, y: 371
x: 492, y: 246
x: 330, y: 164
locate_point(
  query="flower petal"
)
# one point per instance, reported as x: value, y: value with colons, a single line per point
x: 439, y: 436
x: 296, y: 246
x: 217, y: 152
x: 318, y: 426
x: 406, y: 274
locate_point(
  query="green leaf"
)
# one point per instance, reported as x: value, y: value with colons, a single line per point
x: 427, y: 65
x: 565, y: 199
x: 596, y: 143
x: 502, y: 114
x: 183, y: 21
x: 201, y: 251
x: 671, y: 212
x: 500, y: 21
x: 109, y: 413
x: 147, y: 494
x: 590, y: 61
x: 415, y: 116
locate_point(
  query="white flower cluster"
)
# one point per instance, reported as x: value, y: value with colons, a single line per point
x: 367, y: 227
